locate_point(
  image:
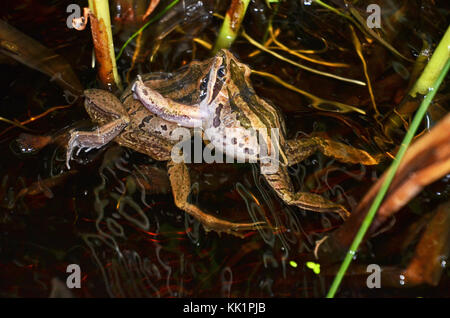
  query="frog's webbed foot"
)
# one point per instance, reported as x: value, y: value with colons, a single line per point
x: 299, y: 149
x: 93, y: 139
x: 281, y: 183
x: 181, y: 186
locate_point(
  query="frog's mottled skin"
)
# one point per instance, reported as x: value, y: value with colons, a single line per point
x: 228, y: 110
x: 214, y: 95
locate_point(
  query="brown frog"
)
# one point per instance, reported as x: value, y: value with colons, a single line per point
x: 216, y: 97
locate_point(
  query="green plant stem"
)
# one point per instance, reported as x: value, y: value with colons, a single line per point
x: 156, y: 17
x: 437, y: 62
x: 389, y: 177
x: 231, y: 24
x: 420, y: 80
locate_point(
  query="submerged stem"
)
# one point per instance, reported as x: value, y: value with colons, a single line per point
x: 263, y: 48
x: 358, y: 49
x: 316, y: 102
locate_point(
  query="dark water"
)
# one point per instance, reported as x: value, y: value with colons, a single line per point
x: 127, y: 235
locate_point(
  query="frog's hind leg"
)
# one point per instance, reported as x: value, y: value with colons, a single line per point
x: 181, y: 187
x: 281, y: 183
x: 106, y: 110
x: 299, y: 149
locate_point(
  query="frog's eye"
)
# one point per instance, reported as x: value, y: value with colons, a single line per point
x: 203, y: 87
x: 204, y: 83
x: 221, y: 71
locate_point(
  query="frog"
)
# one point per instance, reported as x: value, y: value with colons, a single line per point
x: 216, y: 97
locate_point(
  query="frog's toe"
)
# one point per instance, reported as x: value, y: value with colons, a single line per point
x: 79, y: 150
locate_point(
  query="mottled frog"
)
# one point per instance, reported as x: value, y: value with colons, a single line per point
x: 216, y: 96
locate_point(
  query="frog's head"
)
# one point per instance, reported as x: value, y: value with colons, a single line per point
x: 102, y: 106
x: 218, y: 75
x: 230, y: 79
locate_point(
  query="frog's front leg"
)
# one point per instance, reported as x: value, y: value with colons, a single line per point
x: 281, y: 183
x: 181, y: 187
x: 105, y: 109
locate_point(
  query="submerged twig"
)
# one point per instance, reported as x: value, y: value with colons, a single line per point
x: 29, y: 120
x: 263, y: 48
x: 359, y: 22
x: 301, y: 56
x: 151, y: 7
x: 266, y: 44
x: 363, y: 27
x: 203, y: 43
x: 15, y: 124
x: 316, y: 102
x: 358, y: 49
